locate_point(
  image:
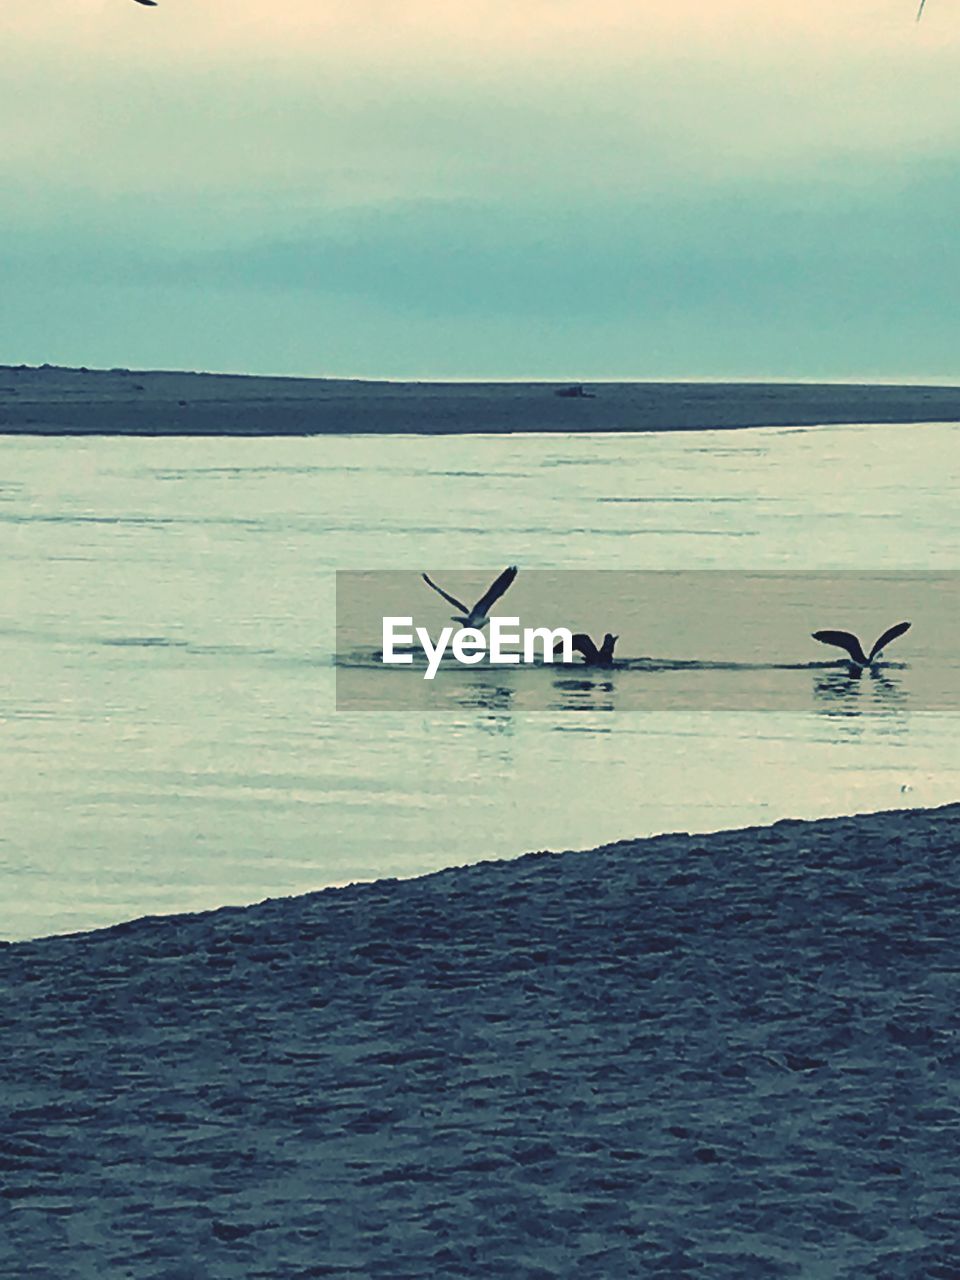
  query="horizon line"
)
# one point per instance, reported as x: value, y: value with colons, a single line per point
x: 901, y: 380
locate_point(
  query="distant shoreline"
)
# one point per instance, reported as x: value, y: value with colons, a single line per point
x: 51, y: 401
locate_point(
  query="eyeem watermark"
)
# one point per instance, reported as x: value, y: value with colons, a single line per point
x: 690, y: 641
x: 507, y: 645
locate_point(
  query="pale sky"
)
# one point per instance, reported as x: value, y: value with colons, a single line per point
x: 482, y: 188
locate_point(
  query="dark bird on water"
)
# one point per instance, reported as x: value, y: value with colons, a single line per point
x: 592, y: 656
x: 848, y: 641
x: 479, y: 615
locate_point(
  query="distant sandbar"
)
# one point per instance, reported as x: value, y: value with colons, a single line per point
x: 57, y: 401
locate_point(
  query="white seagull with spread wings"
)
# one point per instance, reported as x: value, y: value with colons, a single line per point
x: 847, y: 640
x: 479, y: 615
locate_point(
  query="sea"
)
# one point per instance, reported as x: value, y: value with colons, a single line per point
x: 171, y: 736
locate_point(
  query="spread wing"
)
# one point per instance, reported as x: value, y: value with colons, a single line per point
x: 151, y: 3
x: 890, y: 634
x: 584, y: 645
x: 608, y: 646
x: 920, y: 10
x: 457, y: 604
x: 494, y: 592
x: 844, y: 640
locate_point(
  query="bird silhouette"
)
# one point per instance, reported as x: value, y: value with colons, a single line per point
x: 478, y: 616
x: 848, y: 641
x: 592, y: 656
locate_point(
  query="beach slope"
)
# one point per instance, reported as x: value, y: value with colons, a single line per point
x: 732, y: 1056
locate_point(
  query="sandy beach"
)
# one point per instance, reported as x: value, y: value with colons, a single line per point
x: 726, y: 1056
x: 55, y: 401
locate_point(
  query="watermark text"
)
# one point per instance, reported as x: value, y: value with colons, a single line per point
x: 507, y: 645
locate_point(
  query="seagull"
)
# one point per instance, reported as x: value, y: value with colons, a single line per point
x: 920, y: 10
x: 592, y: 656
x: 846, y: 640
x: 479, y: 615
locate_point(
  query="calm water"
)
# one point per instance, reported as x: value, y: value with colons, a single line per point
x: 167, y: 690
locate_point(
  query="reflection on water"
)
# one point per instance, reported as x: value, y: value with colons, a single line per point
x: 839, y: 691
x: 584, y: 693
x: 852, y: 691
x: 168, y: 732
x: 491, y: 701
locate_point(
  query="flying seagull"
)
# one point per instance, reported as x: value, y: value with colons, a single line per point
x: 592, y: 656
x: 846, y: 640
x: 478, y: 616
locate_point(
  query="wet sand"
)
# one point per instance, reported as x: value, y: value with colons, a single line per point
x: 729, y: 1056
x: 55, y: 401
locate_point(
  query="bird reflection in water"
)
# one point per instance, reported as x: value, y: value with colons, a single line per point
x: 847, y: 691
x: 491, y: 702
x: 584, y: 693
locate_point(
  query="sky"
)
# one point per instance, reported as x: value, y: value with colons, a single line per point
x: 576, y: 189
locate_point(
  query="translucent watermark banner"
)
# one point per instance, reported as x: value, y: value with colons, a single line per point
x: 841, y: 642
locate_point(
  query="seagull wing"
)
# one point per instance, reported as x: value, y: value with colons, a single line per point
x: 608, y: 646
x: 888, y: 635
x: 920, y: 10
x: 844, y: 640
x: 152, y: 4
x: 482, y: 608
x: 457, y: 604
x: 583, y: 644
